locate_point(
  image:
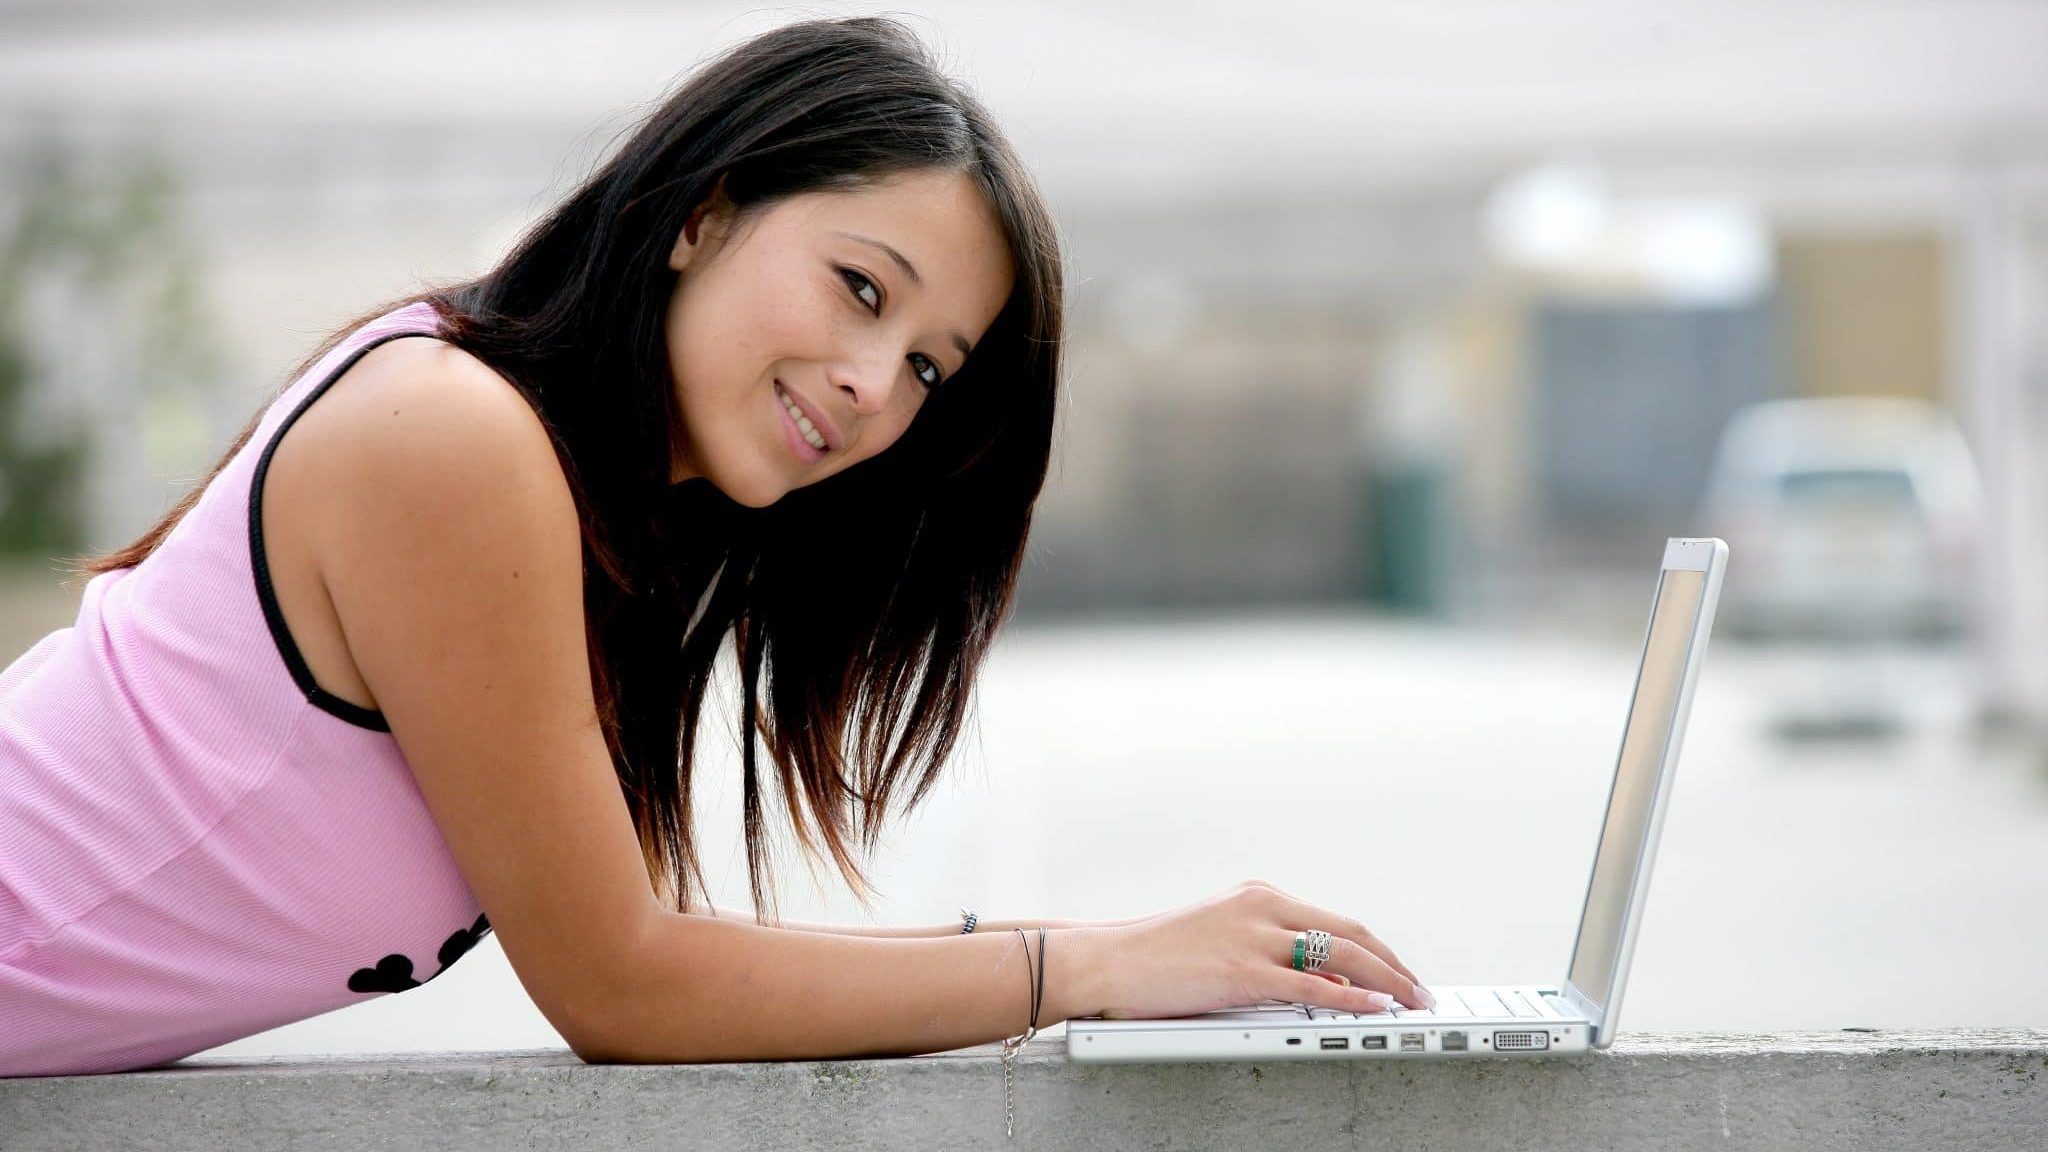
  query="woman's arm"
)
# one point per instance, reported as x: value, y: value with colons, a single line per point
x: 709, y: 989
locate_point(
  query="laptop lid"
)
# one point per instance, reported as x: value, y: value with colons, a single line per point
x: 1681, y: 614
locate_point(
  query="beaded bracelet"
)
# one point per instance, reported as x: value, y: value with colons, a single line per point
x: 969, y: 919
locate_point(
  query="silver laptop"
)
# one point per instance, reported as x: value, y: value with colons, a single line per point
x: 1531, y: 1019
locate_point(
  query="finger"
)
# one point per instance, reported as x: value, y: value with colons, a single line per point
x: 1337, y: 978
x: 1311, y: 989
x: 1368, y: 971
x: 1378, y: 947
x: 1309, y: 916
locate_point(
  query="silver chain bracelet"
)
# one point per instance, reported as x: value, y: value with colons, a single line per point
x: 1016, y: 1044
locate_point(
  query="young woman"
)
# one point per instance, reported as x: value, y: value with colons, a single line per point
x: 425, y: 656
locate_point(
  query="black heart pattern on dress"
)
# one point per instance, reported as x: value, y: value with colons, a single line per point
x: 394, y: 972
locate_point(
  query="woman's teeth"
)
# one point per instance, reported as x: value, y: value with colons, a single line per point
x: 803, y: 423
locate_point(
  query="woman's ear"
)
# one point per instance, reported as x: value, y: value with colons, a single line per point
x: 704, y: 229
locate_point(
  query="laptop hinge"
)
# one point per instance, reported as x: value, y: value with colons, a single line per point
x: 1584, y: 1006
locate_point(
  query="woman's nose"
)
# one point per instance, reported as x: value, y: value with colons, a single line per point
x: 866, y: 382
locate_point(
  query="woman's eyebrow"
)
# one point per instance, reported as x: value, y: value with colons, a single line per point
x: 892, y: 253
x: 910, y: 272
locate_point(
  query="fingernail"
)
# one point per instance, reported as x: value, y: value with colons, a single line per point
x: 1380, y: 1000
x: 1344, y: 980
x: 1422, y: 994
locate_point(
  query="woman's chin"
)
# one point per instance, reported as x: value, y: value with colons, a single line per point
x: 751, y: 491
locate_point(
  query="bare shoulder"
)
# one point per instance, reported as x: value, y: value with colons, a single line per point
x: 419, y: 435
x: 423, y: 403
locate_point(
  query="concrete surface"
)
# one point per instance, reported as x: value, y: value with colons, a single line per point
x: 1811, y: 1091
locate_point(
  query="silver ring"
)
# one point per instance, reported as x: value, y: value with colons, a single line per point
x: 1317, y: 951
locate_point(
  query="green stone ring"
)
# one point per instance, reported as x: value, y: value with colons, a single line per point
x: 1300, y: 950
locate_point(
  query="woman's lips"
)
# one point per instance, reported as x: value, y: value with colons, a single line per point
x: 793, y: 434
x: 825, y: 428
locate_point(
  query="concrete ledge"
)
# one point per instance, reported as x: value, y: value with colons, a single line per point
x: 1861, y: 1091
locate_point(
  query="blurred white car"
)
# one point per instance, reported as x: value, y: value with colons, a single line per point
x: 1853, y: 518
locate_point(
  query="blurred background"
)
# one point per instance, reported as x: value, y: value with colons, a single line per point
x: 1402, y: 337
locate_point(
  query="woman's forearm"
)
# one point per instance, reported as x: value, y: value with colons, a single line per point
x: 698, y: 989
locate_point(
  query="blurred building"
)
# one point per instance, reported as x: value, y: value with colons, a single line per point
x: 1437, y: 307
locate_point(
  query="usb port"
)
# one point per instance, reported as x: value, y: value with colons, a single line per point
x: 1411, y: 1041
x: 1335, y: 1043
x: 1454, y: 1042
x: 1375, y: 1042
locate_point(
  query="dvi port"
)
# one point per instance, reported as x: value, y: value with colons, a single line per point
x: 1520, y: 1041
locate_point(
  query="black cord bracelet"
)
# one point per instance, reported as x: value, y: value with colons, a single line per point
x: 1038, y: 989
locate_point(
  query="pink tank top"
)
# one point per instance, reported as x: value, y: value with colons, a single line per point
x: 197, y: 842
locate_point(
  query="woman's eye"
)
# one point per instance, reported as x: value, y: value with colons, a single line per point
x: 863, y: 288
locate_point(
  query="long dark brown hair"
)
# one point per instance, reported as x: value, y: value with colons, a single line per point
x: 860, y: 607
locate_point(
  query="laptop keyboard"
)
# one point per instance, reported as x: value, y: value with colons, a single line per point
x: 1453, y: 1004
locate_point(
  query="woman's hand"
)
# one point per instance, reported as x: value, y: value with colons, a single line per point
x: 1236, y: 949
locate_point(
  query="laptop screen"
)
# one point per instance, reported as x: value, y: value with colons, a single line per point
x: 1650, y: 721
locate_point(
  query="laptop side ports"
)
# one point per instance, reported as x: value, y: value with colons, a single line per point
x: 1335, y: 1043
x: 1454, y: 1042
x: 1375, y: 1043
x: 1520, y: 1041
x: 1411, y: 1041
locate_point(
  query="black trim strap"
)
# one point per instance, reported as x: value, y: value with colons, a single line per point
x: 288, y: 648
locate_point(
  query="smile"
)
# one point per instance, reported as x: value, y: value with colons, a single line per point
x: 801, y: 425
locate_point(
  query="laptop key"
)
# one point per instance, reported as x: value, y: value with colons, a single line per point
x: 1482, y: 1002
x: 1447, y: 1003
x: 1517, y: 1006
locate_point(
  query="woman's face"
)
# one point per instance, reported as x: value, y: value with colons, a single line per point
x: 850, y: 306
